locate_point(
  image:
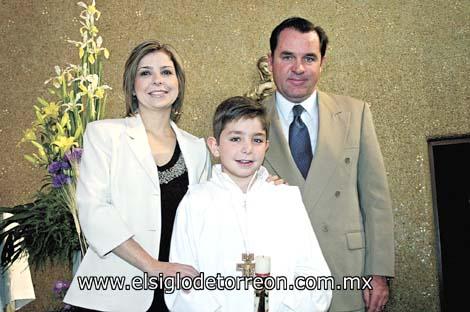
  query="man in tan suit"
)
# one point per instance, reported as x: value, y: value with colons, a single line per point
x: 326, y: 144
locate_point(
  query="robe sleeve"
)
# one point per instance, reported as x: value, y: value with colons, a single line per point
x: 183, y: 250
x: 310, y: 263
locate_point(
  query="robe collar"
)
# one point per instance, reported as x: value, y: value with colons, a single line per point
x: 223, y: 180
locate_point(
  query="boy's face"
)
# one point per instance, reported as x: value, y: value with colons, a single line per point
x: 241, y: 149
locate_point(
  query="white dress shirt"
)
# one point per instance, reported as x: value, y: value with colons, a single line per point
x: 309, y: 116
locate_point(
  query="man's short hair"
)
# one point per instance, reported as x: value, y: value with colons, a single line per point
x: 236, y: 108
x: 301, y: 25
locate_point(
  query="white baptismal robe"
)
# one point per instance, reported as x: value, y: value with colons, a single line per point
x: 216, y: 222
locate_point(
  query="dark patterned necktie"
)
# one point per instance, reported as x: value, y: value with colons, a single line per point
x: 299, y: 142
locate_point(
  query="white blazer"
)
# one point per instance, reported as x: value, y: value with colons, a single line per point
x: 118, y: 197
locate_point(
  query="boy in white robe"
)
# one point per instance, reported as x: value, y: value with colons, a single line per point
x: 238, y: 212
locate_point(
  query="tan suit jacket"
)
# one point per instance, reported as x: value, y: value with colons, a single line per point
x: 346, y: 193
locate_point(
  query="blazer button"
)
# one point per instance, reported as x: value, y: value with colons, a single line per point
x: 324, y: 227
x: 347, y: 160
x: 337, y: 193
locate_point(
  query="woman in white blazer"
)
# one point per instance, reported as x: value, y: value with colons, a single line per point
x: 133, y: 173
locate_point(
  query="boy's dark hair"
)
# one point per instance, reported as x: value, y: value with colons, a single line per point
x: 301, y: 25
x: 236, y: 108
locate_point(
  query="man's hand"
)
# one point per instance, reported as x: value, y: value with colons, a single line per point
x: 377, y: 297
x: 275, y: 179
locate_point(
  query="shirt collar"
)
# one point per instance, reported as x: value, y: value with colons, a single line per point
x: 222, y: 179
x: 284, y: 106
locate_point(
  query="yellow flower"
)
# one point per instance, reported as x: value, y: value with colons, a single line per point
x: 51, y: 110
x: 99, y: 93
x: 42, y: 153
x: 91, y: 9
x: 64, y: 143
x: 82, y: 87
x: 29, y: 135
x: 91, y: 59
x: 94, y: 30
x: 65, y: 120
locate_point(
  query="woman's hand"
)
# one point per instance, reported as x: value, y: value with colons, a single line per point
x: 276, y: 180
x: 134, y: 254
x: 170, y: 269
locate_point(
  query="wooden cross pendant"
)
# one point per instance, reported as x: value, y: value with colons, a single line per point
x: 247, y: 267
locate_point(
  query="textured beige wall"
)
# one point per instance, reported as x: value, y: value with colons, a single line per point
x: 408, y: 59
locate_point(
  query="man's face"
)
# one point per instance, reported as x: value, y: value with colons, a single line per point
x: 296, y: 64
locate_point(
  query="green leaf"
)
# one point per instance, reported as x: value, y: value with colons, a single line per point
x: 31, y: 159
x: 42, y: 101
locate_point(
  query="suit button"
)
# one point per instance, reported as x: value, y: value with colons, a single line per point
x: 347, y: 160
x: 324, y: 227
x: 337, y: 193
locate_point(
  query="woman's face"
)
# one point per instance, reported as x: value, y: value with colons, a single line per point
x: 156, y: 83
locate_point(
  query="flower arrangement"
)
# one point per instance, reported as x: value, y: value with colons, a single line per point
x: 48, y: 228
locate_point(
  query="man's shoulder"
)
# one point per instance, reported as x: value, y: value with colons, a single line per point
x: 339, y: 99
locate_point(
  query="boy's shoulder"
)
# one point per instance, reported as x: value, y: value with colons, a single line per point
x: 284, y: 201
x: 203, y: 187
x: 199, y: 200
x: 281, y: 190
x: 273, y: 189
x: 202, y: 191
x: 280, y: 196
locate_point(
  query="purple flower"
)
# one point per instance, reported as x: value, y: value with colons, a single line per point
x: 75, y: 154
x: 60, y: 180
x: 61, y: 286
x: 54, y: 167
x: 65, y: 164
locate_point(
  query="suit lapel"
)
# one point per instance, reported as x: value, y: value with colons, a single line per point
x: 278, y: 155
x: 138, y: 143
x: 332, y: 131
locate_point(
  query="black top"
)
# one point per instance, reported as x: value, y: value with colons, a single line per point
x: 174, y: 182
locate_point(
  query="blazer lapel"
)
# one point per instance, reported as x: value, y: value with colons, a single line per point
x: 333, y: 128
x: 278, y: 154
x: 138, y: 143
x: 191, y: 154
